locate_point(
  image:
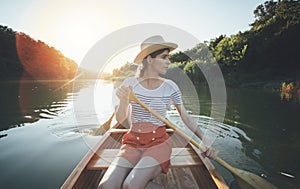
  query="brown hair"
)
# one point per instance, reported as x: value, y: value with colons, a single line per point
x: 142, y: 67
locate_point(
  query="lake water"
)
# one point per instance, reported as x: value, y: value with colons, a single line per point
x: 43, y: 131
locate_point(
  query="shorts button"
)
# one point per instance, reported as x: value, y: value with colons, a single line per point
x: 153, y: 138
x: 139, y: 130
x: 154, y: 131
x: 137, y: 138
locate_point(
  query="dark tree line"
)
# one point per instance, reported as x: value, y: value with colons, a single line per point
x: 10, y: 65
x: 23, y: 58
x: 266, y: 52
x: 20, y: 54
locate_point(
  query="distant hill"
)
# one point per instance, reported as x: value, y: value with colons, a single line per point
x: 22, y: 55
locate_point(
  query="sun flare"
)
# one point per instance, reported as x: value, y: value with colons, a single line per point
x: 73, y: 28
x: 76, y: 33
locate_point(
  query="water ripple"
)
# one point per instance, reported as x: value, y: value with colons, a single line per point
x: 209, y: 124
x: 70, y: 130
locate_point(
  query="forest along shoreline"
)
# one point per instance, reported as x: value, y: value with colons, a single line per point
x: 265, y: 56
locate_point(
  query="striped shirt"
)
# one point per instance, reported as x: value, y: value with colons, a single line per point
x: 159, y: 100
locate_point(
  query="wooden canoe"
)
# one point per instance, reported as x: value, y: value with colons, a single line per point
x: 188, y: 168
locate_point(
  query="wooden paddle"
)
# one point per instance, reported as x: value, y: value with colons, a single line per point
x: 104, y: 127
x: 245, y: 179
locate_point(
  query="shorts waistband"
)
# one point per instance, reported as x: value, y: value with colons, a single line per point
x: 146, y: 127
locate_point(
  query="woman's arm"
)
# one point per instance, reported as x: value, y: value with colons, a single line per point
x: 189, y: 122
x: 192, y: 125
x: 122, y: 111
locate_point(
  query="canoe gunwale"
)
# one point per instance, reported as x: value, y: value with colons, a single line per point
x: 81, y: 167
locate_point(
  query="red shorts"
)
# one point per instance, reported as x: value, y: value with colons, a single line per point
x: 146, y: 139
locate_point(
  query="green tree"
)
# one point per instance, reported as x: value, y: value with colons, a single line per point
x: 179, y: 57
x: 230, y: 51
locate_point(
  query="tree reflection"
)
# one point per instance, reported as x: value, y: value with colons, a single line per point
x: 290, y: 91
x: 27, y: 101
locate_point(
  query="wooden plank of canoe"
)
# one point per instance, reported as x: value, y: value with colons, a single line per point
x: 180, y: 157
x: 185, y: 178
x: 169, y: 181
x: 120, y: 131
x: 215, y: 175
x: 74, y: 176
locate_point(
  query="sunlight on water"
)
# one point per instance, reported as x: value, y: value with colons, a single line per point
x: 103, y: 99
x: 85, y: 111
x: 57, y: 125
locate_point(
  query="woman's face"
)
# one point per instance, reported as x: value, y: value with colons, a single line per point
x: 161, y: 62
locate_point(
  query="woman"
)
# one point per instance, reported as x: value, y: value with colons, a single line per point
x: 146, y: 148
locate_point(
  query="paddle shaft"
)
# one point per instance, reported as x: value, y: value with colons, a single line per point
x: 254, y: 181
x: 183, y: 134
x: 167, y: 122
x: 105, y: 126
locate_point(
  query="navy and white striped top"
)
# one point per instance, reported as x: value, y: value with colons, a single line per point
x: 159, y: 100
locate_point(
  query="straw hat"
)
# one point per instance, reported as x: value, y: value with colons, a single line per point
x: 151, y: 45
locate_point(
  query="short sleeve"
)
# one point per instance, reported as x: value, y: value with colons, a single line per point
x: 176, y: 97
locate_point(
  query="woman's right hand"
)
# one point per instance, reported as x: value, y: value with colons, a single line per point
x: 123, y: 93
x: 210, y: 153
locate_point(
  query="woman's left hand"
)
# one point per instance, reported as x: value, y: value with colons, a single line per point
x: 211, y: 153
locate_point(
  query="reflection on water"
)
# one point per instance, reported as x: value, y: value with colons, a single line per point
x: 28, y: 101
x: 260, y: 133
x: 290, y: 91
x: 85, y: 110
x: 272, y: 126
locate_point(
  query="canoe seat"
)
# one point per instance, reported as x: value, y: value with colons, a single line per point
x: 180, y: 157
x: 120, y: 131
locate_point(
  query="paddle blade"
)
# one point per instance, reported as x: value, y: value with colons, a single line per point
x: 104, y: 127
x: 247, y: 180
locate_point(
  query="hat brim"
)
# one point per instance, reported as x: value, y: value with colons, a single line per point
x: 145, y: 52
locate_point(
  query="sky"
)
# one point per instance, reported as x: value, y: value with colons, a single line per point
x: 74, y: 26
